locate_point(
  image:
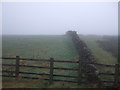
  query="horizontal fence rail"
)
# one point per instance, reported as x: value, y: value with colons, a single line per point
x: 74, y: 69
x: 43, y: 60
x: 64, y: 61
x: 106, y: 73
x: 56, y: 75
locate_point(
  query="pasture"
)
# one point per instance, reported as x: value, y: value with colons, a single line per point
x: 40, y: 47
x: 56, y: 46
x: 101, y: 55
x: 43, y: 46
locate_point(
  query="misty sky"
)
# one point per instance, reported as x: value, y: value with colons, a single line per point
x: 57, y: 18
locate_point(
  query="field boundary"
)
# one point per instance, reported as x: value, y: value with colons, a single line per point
x: 52, y: 68
x: 87, y: 62
x: 86, y: 67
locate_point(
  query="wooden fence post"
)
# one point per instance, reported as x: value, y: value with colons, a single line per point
x: 17, y: 66
x: 51, y: 70
x: 116, y: 74
x: 79, y: 71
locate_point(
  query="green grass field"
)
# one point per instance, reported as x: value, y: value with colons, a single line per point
x: 56, y: 46
x: 43, y: 47
x: 102, y: 56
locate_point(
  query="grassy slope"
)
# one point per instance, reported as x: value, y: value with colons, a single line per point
x: 57, y: 47
x: 110, y: 44
x: 101, y: 55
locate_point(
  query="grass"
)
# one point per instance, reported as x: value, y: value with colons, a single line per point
x: 24, y: 83
x: 59, y: 47
x: 56, y: 46
x: 102, y: 56
x: 110, y: 44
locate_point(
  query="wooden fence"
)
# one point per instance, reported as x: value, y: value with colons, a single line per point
x: 116, y: 74
x: 52, y: 68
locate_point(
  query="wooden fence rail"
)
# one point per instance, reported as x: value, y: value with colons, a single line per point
x: 42, y: 60
x: 51, y: 68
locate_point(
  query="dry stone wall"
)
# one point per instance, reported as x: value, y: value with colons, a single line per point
x: 85, y: 56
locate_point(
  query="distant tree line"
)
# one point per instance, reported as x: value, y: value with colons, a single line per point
x: 110, y: 44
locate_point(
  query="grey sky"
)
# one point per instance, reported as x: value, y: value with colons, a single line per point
x: 57, y: 18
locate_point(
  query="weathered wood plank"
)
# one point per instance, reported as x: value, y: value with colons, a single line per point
x: 106, y: 73
x: 116, y: 74
x: 17, y: 66
x: 44, y: 79
x: 51, y: 70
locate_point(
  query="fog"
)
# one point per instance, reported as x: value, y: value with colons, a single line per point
x: 56, y: 18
